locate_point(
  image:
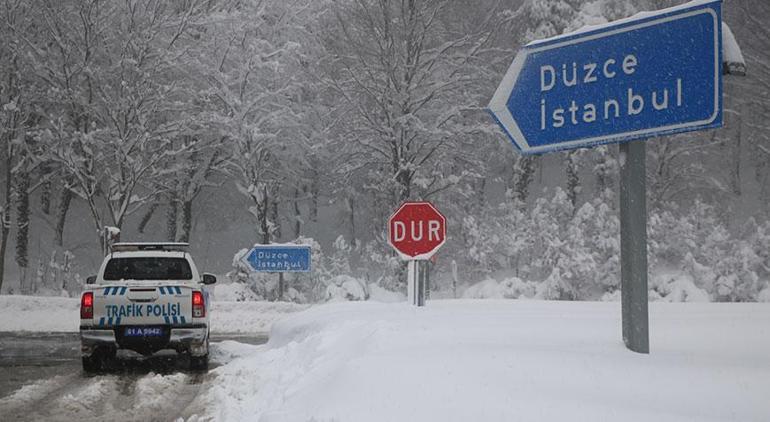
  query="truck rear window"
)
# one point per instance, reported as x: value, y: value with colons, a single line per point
x: 147, y: 268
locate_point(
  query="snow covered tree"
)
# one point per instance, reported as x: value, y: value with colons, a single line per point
x: 113, y: 68
x: 248, y: 64
x: 19, y: 113
x: 396, y: 65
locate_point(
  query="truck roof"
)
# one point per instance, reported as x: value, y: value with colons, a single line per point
x: 148, y: 254
x: 150, y: 246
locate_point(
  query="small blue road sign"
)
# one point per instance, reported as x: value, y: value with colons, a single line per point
x: 654, y: 74
x: 278, y: 258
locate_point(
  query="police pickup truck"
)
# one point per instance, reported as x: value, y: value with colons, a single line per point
x: 147, y: 297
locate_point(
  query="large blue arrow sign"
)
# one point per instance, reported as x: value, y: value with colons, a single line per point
x: 278, y: 258
x: 658, y: 73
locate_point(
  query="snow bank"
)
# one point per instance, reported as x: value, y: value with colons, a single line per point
x: 39, y: 313
x: 676, y: 287
x: 764, y: 295
x: 223, y: 352
x: 378, y: 293
x: 232, y: 292
x: 667, y: 286
x: 249, y: 317
x: 501, y: 361
x: 731, y: 51
x: 345, y: 287
x: 54, y: 314
x: 509, y: 288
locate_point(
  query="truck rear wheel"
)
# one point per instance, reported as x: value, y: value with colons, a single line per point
x: 92, y: 364
x: 200, y: 363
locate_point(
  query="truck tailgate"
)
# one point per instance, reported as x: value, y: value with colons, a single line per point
x: 125, y: 304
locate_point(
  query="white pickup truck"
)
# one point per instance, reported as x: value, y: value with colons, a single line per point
x: 147, y: 297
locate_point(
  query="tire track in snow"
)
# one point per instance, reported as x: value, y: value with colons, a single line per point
x: 149, y: 397
x: 134, y: 390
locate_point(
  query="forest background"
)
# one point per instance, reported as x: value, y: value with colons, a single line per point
x: 230, y: 123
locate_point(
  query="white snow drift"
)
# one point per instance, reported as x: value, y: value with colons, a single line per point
x: 472, y: 360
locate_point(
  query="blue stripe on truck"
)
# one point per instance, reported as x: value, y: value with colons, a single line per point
x: 178, y: 290
x: 167, y: 320
x: 101, y: 321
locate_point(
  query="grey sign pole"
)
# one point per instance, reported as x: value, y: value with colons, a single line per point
x: 633, y: 246
x: 422, y: 273
x: 417, y: 272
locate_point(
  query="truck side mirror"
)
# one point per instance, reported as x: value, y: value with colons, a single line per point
x: 209, y: 278
x: 91, y: 279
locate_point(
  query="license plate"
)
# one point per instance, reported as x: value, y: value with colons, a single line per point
x: 143, y: 332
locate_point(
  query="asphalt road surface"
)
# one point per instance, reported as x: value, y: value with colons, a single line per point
x: 41, y: 380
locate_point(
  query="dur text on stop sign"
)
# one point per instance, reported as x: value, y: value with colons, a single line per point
x: 417, y: 230
x: 654, y: 74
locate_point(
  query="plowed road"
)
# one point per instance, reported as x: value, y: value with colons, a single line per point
x: 42, y: 381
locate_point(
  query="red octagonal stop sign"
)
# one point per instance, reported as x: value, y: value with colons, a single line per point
x: 416, y: 230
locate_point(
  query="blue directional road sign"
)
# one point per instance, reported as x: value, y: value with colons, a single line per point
x: 279, y: 258
x: 656, y: 74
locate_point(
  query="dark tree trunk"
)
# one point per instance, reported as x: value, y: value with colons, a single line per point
x: 352, y: 219
x: 262, y: 208
x: 171, y: 215
x: 573, y: 179
x: 314, y: 192
x: 523, y: 174
x: 274, y: 215
x: 61, y: 215
x: 5, y: 215
x: 186, y: 218
x: 274, y: 219
x: 22, y: 221
x: 735, y: 173
x: 602, y: 170
x: 481, y: 197
x: 297, y: 215
x: 147, y: 217
x: 45, y: 197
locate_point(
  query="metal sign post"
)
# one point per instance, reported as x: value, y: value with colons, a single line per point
x: 633, y: 247
x: 416, y: 282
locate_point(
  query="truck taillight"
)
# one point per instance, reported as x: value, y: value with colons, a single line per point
x: 198, y: 307
x: 87, y: 305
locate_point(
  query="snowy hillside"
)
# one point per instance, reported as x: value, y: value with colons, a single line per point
x: 500, y: 361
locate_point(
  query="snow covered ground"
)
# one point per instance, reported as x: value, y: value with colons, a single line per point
x: 56, y: 314
x: 464, y: 360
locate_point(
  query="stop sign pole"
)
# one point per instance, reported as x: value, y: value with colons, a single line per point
x: 416, y: 231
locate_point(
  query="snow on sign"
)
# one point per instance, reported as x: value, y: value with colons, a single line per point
x: 278, y: 258
x: 652, y: 74
x: 416, y: 230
